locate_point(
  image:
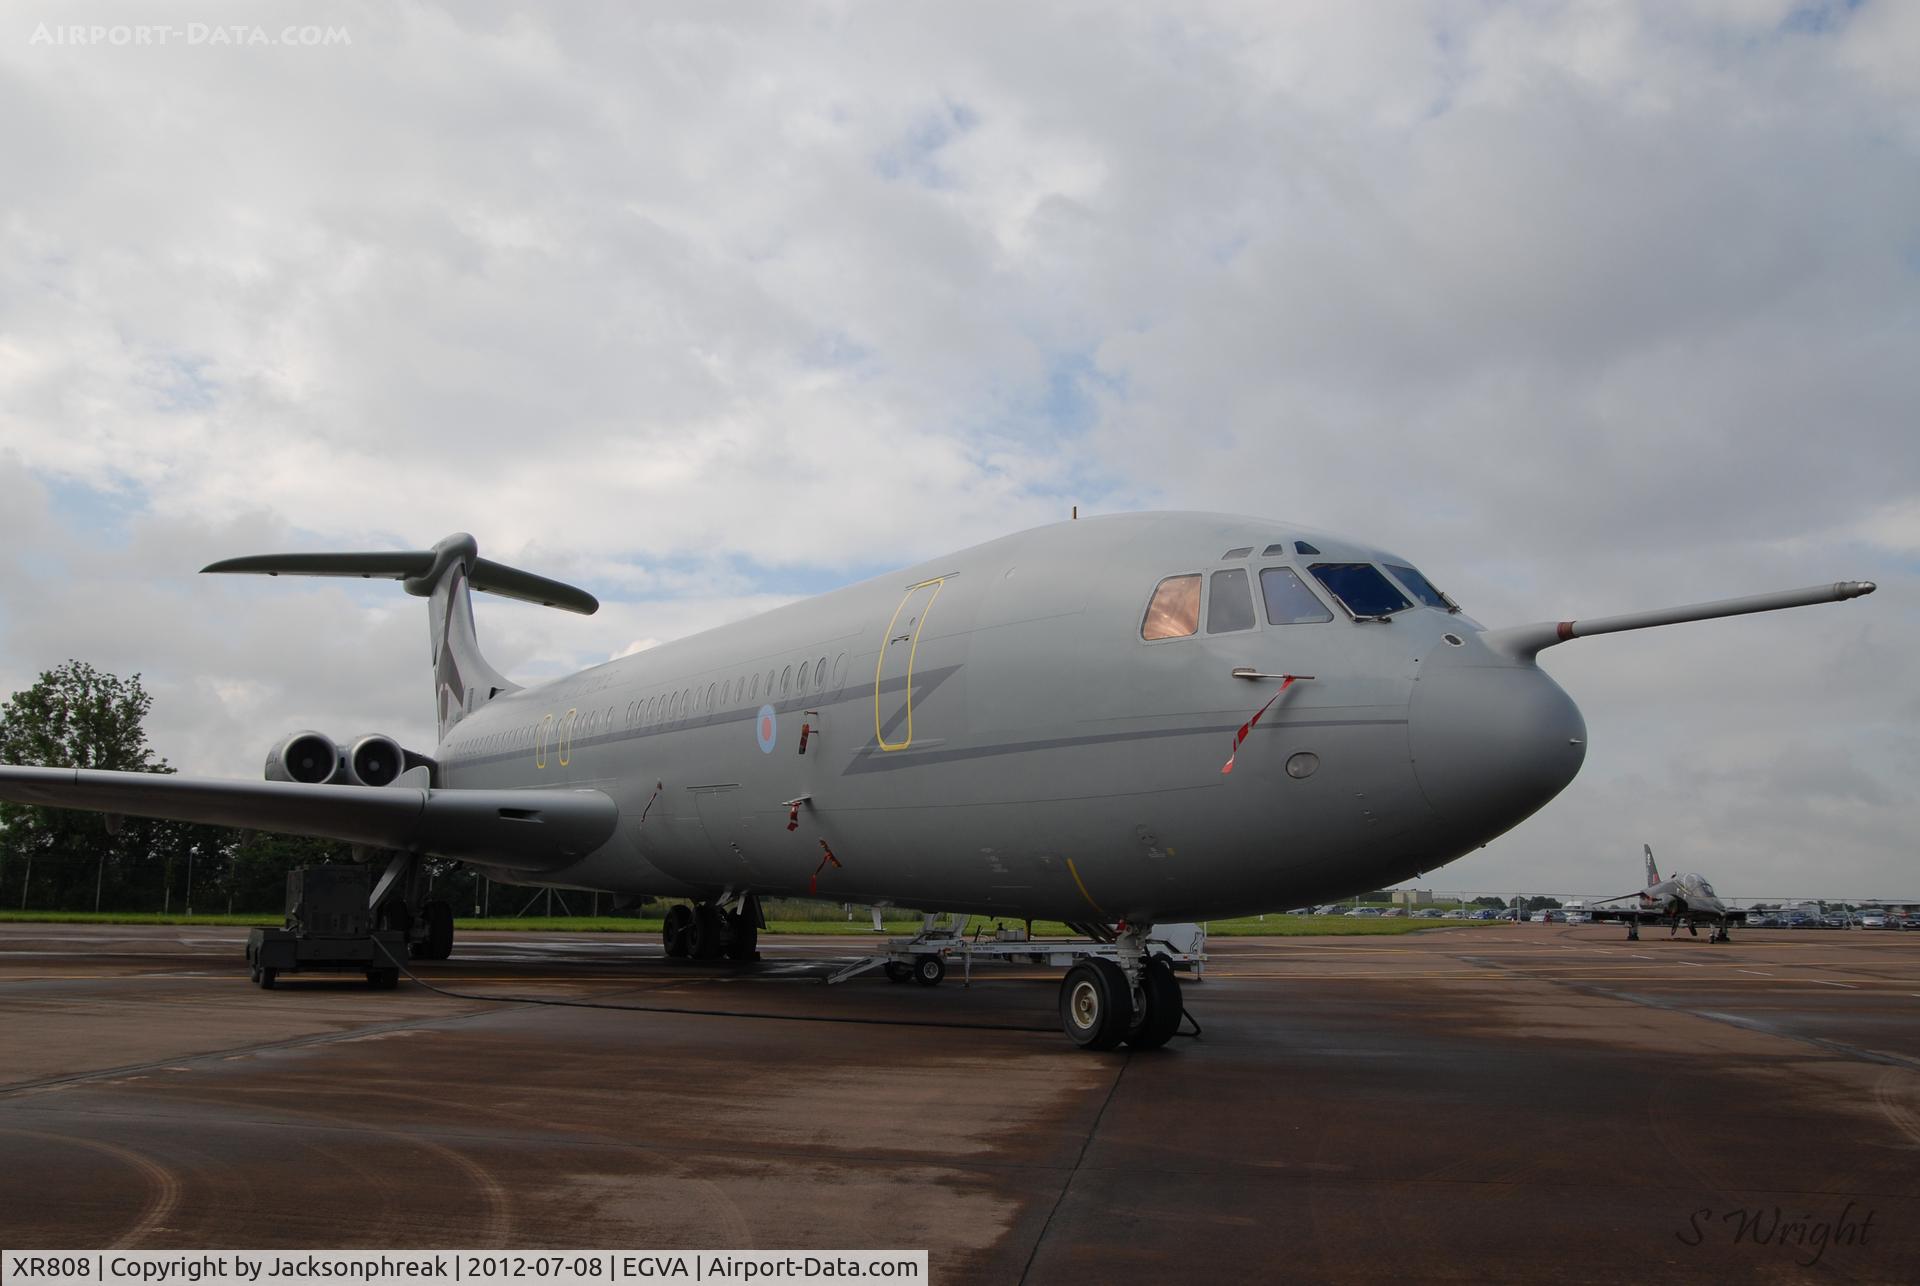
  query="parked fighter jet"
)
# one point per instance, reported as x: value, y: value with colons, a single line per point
x: 1116, y: 722
x: 1682, y: 898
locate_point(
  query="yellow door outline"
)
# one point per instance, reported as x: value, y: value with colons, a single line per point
x: 913, y: 647
x: 540, y: 742
x: 566, y: 736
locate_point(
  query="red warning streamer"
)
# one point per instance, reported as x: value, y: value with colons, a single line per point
x: 813, y: 885
x: 793, y: 815
x: 1286, y: 681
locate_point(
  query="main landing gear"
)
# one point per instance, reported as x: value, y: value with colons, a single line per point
x: 710, y: 931
x: 400, y: 905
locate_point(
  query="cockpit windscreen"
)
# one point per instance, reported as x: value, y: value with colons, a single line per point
x: 1361, y: 589
x: 1421, y: 587
x: 1289, y: 601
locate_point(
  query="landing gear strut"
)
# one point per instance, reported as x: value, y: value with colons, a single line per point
x: 400, y: 905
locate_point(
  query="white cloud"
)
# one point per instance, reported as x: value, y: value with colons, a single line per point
x: 1586, y: 307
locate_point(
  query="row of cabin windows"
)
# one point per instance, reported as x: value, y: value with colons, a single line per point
x: 1174, y: 611
x: 810, y: 677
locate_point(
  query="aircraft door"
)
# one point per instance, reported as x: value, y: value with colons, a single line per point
x: 893, y: 673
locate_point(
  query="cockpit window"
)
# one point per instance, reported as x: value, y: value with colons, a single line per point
x: 1302, y: 547
x: 1241, y: 552
x: 1422, y: 587
x: 1707, y: 889
x: 1361, y: 589
x: 1271, y: 550
x: 1175, y: 610
x: 1230, y: 602
x: 1289, y: 601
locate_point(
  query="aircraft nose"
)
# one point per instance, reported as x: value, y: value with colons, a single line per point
x: 1492, y: 744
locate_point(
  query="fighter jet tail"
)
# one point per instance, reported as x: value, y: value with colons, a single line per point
x: 1653, y: 871
x: 463, y: 681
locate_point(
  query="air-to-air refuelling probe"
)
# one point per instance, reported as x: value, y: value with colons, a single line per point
x: 1117, y: 722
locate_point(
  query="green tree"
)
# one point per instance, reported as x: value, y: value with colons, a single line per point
x: 75, y: 716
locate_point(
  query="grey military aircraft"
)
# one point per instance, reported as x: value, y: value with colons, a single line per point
x: 1683, y: 898
x: 1116, y: 722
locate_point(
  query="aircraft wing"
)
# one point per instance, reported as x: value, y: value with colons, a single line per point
x: 527, y: 830
x: 1643, y: 914
x: 1649, y: 914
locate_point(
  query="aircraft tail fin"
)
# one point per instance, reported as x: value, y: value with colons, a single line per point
x: 1653, y: 871
x: 463, y: 681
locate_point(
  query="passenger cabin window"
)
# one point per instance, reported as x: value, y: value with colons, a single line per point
x: 1230, y: 604
x: 1421, y: 587
x: 1361, y: 589
x: 1175, y: 610
x: 1289, y: 601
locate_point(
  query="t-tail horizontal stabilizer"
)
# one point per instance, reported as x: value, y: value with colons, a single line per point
x: 1524, y: 642
x: 419, y: 570
x: 463, y: 681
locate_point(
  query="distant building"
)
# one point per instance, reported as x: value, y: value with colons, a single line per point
x: 1413, y: 897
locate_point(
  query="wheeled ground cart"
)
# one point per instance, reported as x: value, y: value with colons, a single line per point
x: 329, y: 929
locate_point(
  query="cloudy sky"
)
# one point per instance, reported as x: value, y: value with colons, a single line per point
x: 1585, y: 307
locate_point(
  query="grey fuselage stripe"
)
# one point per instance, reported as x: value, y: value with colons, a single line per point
x: 870, y: 758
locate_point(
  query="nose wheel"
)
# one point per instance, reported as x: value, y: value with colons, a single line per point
x: 1102, y: 1007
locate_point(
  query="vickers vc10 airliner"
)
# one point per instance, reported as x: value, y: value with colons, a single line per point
x: 1117, y: 722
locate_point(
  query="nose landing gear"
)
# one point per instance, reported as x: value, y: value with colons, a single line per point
x: 1132, y: 1000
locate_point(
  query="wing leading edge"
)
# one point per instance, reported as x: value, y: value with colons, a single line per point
x: 526, y: 830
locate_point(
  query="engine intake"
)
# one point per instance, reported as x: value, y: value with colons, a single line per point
x: 375, y: 760
x: 304, y: 757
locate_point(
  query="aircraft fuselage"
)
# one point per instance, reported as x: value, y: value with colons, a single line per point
x: 990, y: 732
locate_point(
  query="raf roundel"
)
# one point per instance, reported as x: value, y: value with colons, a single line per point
x: 767, y: 728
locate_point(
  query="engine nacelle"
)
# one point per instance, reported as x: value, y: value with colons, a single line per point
x: 375, y: 760
x: 305, y: 757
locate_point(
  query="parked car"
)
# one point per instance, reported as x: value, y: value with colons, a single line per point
x: 1368, y: 911
x: 1873, y: 920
